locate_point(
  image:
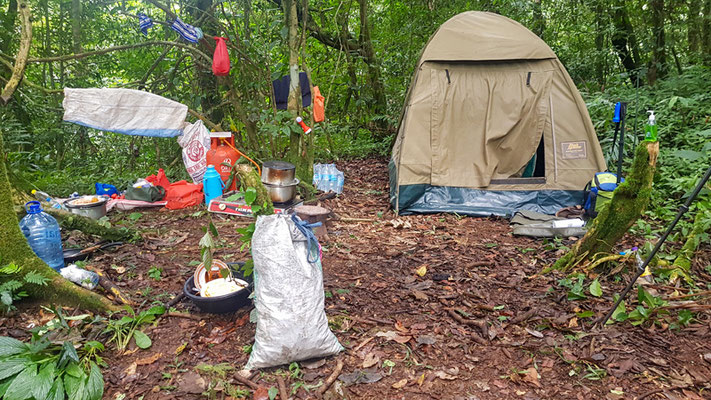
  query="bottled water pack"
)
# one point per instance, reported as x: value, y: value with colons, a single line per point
x: 328, y: 178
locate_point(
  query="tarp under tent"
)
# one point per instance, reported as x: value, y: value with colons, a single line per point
x: 492, y: 124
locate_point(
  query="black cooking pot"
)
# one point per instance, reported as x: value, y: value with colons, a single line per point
x: 221, y: 304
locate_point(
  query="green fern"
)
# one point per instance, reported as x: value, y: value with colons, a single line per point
x: 36, y: 279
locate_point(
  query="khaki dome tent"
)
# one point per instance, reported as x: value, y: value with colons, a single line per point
x: 492, y: 124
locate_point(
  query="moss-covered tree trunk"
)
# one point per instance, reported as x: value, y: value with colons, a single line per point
x: 249, y: 178
x: 682, y: 262
x: 628, y: 203
x: 15, y: 249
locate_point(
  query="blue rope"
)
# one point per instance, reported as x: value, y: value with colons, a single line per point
x: 307, y: 229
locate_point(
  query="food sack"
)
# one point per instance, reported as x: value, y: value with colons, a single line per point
x: 195, y: 143
x: 289, y: 298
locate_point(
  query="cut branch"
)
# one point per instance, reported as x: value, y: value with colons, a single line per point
x: 22, y: 53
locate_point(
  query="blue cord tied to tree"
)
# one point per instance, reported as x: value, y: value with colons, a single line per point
x: 307, y: 229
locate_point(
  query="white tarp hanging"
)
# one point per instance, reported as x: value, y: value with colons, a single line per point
x: 127, y: 111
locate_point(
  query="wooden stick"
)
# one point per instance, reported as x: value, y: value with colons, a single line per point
x: 332, y: 378
x: 246, y: 381
x: 479, y: 324
x: 283, y: 393
x: 183, y: 315
x: 110, y: 287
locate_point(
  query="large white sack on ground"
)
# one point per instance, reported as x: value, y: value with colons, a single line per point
x: 291, y: 321
x: 127, y: 111
x: 195, y: 142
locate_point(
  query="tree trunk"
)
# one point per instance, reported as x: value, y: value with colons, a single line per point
x: 14, y: 249
x: 375, y: 80
x: 682, y: 262
x: 658, y: 65
x: 18, y: 70
x: 8, y: 22
x: 600, y: 57
x: 539, y: 24
x: 249, y: 178
x: 625, y: 42
x: 693, y: 32
x: 626, y: 206
x: 706, y: 32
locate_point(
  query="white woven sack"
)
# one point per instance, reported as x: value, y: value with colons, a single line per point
x: 291, y: 321
x: 195, y: 142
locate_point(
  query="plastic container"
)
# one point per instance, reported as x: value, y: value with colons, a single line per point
x: 212, y: 184
x: 650, y: 129
x: 43, y: 235
x: 221, y: 304
x: 80, y: 276
x: 42, y: 196
x: 222, y: 150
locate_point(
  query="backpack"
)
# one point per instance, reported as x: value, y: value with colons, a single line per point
x: 598, y: 192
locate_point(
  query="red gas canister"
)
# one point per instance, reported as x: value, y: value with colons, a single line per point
x: 222, y: 150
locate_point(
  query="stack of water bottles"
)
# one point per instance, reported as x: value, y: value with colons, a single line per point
x: 328, y: 178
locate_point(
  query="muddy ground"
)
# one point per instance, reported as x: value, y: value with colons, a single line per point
x: 406, y: 336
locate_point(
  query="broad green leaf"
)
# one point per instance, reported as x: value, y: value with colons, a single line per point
x: 142, y: 340
x: 95, y: 384
x: 75, y: 382
x: 273, y: 392
x: 595, y: 288
x: 45, y: 378
x: 6, y: 298
x: 69, y: 354
x: 250, y: 195
x: 12, y: 366
x: 10, y: 346
x: 21, y: 386
x: 620, y: 313
x: 585, y: 314
x: 57, y: 390
x: 213, y: 230
x: 3, y: 388
x: 155, y: 310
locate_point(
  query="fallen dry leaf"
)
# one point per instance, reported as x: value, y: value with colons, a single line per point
x: 400, y: 384
x: 149, y: 360
x: 130, y: 370
x: 535, y: 333
x: 420, y: 295
x: 422, y: 270
x: 421, y: 379
x: 370, y: 360
x: 392, y: 335
x: 261, y: 393
x: 444, y: 376
x: 531, y: 377
x: 399, y: 326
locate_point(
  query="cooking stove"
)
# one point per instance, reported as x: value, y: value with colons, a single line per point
x: 235, y: 205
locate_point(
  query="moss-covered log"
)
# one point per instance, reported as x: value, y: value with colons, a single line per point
x: 682, y: 262
x: 628, y: 203
x: 91, y: 227
x: 15, y: 249
x: 249, y: 178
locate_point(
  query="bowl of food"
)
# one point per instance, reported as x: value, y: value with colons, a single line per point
x: 93, y: 207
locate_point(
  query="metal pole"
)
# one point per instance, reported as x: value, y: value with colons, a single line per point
x: 621, y: 153
x: 682, y: 210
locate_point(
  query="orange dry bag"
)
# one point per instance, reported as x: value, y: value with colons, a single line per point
x: 319, y: 106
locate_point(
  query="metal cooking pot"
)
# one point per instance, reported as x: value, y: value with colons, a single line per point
x: 279, y: 173
x: 282, y: 193
x: 92, y: 210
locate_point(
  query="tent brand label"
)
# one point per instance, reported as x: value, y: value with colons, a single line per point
x: 574, y: 150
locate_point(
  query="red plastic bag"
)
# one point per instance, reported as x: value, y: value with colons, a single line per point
x: 159, y: 179
x: 319, y: 106
x: 221, y: 59
x: 182, y: 194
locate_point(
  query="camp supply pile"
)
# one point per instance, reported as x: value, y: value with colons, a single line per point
x: 289, y: 302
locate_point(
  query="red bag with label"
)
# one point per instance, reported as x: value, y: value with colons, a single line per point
x: 221, y: 59
x: 182, y: 194
x: 319, y: 106
x: 159, y: 179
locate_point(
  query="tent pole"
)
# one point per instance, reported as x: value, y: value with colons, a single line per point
x: 555, y: 146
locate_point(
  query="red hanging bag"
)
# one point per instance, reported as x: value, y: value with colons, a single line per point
x: 221, y: 59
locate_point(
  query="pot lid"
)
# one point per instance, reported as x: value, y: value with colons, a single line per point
x: 280, y: 165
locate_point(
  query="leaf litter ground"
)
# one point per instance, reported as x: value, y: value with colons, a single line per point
x: 428, y: 306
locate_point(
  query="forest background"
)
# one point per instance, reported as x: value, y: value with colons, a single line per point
x: 653, y: 54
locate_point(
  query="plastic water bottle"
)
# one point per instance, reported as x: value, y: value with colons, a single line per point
x: 80, y: 276
x: 317, y: 175
x: 339, y: 181
x: 212, y: 184
x: 42, y: 196
x: 42, y: 233
x: 333, y: 187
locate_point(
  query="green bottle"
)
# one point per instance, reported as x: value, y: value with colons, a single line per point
x: 650, y: 129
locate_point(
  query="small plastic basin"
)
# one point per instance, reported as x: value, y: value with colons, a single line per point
x: 221, y: 304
